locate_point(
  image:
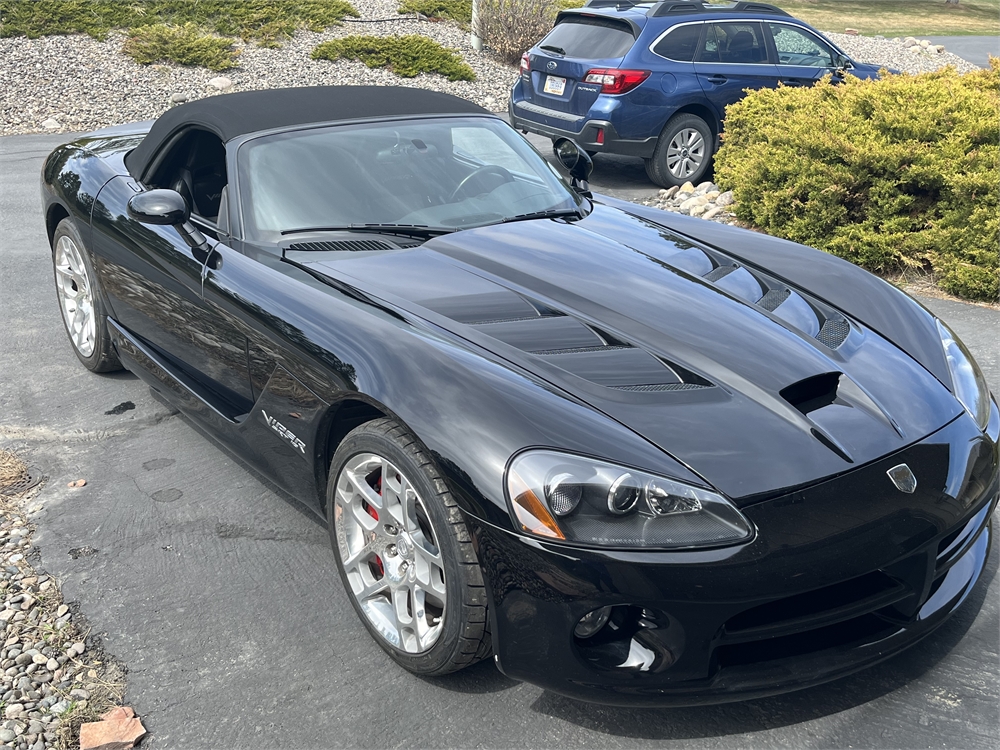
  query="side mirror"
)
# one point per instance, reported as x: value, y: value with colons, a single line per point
x: 168, y: 208
x: 161, y: 207
x: 843, y: 62
x: 577, y: 162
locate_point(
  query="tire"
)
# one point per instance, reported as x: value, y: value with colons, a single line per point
x: 78, y: 292
x: 682, y: 132
x: 385, y: 573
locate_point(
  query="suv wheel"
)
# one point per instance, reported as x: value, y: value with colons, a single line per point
x: 683, y: 152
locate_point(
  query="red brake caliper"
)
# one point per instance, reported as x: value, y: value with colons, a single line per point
x: 374, y: 514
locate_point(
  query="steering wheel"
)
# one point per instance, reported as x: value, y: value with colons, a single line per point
x: 493, y: 169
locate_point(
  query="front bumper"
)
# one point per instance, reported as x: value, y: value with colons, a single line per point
x: 553, y: 124
x: 840, y: 576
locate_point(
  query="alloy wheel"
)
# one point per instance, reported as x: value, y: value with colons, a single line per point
x: 75, y: 295
x: 685, y: 153
x: 390, y: 553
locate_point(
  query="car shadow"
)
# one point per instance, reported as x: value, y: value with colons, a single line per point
x: 777, y: 711
x: 480, y: 678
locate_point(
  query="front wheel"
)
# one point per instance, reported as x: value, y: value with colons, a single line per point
x: 80, y: 301
x: 683, y: 152
x: 404, y: 553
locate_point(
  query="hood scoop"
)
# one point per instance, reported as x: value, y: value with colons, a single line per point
x: 836, y: 408
x: 565, y: 342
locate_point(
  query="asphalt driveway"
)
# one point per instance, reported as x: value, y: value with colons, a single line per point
x: 222, y: 599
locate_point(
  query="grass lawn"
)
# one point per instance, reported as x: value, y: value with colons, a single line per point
x: 898, y: 17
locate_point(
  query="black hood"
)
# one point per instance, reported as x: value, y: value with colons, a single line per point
x: 754, y: 384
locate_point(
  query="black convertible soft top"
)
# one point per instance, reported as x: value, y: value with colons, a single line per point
x: 232, y: 115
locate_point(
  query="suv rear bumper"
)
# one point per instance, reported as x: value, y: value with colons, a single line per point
x: 523, y: 114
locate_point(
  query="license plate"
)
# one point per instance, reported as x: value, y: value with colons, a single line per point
x: 554, y: 85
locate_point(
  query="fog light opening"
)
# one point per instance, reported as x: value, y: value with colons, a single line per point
x: 592, y: 623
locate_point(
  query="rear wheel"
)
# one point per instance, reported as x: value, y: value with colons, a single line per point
x: 403, y: 552
x: 683, y: 152
x: 80, y: 301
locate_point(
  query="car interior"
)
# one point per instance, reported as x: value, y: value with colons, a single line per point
x: 434, y: 175
x: 195, y: 166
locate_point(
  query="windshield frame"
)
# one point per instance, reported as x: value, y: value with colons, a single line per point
x: 237, y: 164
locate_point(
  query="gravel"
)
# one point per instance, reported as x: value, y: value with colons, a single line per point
x: 704, y: 200
x: 45, y: 686
x: 75, y: 83
x: 896, y: 53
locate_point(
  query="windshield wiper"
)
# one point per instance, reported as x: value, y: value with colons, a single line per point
x: 552, y: 213
x: 551, y: 48
x: 415, y: 230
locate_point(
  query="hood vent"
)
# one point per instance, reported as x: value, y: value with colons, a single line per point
x: 834, y: 332
x: 566, y: 342
x: 662, y: 387
x: 810, y: 316
x: 353, y: 246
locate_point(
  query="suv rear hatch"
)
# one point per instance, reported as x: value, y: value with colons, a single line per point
x: 560, y: 62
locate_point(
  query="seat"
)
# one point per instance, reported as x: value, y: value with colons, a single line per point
x: 740, y: 49
x: 183, y: 184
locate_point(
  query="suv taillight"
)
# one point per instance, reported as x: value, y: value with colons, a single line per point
x: 613, y: 80
x: 525, y: 64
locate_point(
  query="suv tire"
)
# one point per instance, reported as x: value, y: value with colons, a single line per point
x: 683, y: 152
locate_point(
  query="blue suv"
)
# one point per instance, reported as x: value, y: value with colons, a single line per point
x: 654, y: 79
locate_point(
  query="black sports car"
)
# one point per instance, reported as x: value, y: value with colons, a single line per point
x: 638, y: 457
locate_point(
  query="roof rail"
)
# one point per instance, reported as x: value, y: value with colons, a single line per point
x: 619, y: 4
x: 691, y: 6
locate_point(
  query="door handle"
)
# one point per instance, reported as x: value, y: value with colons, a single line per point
x: 717, y: 79
x: 791, y: 82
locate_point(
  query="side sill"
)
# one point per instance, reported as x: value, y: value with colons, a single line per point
x: 150, y: 367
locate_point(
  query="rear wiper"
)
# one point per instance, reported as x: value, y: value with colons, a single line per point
x: 551, y: 48
x: 553, y: 213
x: 415, y: 230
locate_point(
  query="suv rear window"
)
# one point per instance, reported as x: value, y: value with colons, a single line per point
x: 590, y: 38
x: 680, y: 43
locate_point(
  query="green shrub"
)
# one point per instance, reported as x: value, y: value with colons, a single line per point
x: 406, y: 56
x: 184, y: 45
x: 456, y: 10
x: 901, y: 172
x: 264, y: 21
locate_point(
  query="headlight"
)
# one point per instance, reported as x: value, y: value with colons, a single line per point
x: 560, y: 496
x: 968, y: 382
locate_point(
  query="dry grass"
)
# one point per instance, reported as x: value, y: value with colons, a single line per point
x: 12, y: 469
x: 899, y: 17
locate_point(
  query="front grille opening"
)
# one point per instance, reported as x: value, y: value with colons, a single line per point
x: 814, y: 603
x: 865, y: 629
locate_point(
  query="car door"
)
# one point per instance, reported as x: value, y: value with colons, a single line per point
x: 154, y: 285
x: 803, y: 57
x: 733, y: 58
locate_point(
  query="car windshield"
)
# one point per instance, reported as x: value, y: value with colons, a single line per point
x: 451, y: 172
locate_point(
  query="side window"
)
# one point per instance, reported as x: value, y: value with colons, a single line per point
x: 680, y: 43
x: 799, y: 47
x: 709, y: 51
x: 195, y: 166
x: 740, y: 43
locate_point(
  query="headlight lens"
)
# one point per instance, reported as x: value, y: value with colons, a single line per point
x: 968, y: 381
x: 561, y: 496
